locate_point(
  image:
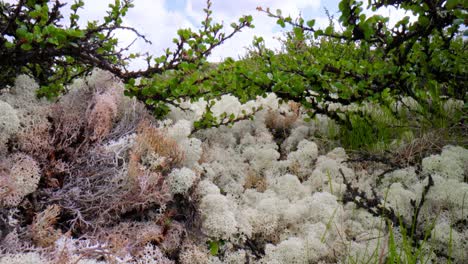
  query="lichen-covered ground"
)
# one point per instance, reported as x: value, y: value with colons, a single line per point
x: 93, y: 178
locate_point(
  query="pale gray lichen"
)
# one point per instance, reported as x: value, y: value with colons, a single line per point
x: 180, y: 180
x: 306, y: 153
x: 24, y: 177
x: 450, y: 164
x: 218, y: 219
x: 290, y: 251
x: 192, y: 149
x: 9, y: 124
x: 23, y: 258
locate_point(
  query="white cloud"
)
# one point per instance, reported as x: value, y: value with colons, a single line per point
x: 239, y: 7
x: 160, y: 25
x: 230, y: 11
x: 157, y: 23
x: 394, y: 14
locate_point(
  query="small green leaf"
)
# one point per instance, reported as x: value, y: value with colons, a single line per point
x: 9, y: 45
x: 318, y: 33
x: 311, y: 23
x: 75, y: 33
x: 281, y: 22
x: 424, y: 21
x: 451, y: 4
x: 53, y: 40
x: 26, y: 46
x: 299, y: 33
x: 22, y: 31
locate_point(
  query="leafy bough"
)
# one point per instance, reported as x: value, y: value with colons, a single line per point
x: 368, y: 61
x: 336, y: 73
x: 35, y: 40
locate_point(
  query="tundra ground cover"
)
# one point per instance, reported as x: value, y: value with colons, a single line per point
x: 117, y: 186
x: 348, y: 145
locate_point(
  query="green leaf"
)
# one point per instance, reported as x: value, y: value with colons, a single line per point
x: 281, y: 22
x: 299, y: 33
x: 451, y: 4
x: 424, y: 21
x: 77, y: 5
x: 26, y: 46
x: 318, y: 33
x: 9, y: 45
x: 214, y: 248
x: 311, y: 23
x: 53, y: 40
x: 75, y: 33
x: 22, y: 31
x: 367, y: 29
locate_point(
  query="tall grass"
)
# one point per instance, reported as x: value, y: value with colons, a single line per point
x: 378, y: 128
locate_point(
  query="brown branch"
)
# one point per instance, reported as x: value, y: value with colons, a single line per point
x: 14, y: 16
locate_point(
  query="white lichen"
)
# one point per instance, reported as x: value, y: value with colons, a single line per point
x: 445, y: 238
x: 451, y: 163
x: 181, y: 180
x: 9, y: 124
x: 291, y: 251
x: 24, y: 177
x: 289, y: 187
x: 262, y: 156
x: 306, y: 153
x: 192, y: 149
x: 180, y: 130
x: 218, y: 219
x: 399, y: 199
x: 206, y: 187
x: 23, y: 258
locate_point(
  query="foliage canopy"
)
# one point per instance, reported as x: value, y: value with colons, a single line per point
x: 37, y: 40
x: 364, y: 60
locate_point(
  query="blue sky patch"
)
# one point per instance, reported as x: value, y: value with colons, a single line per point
x: 173, y: 5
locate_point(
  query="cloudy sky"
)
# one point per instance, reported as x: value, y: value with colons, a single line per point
x: 160, y: 19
